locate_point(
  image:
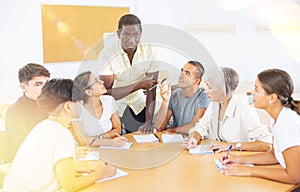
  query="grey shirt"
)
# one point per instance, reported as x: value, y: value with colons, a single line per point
x: 184, y: 109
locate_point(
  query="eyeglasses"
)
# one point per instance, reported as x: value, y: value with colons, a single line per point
x: 136, y: 36
x: 96, y: 80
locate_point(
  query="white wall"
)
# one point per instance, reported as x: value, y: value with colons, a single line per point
x: 21, y: 41
x: 246, y: 50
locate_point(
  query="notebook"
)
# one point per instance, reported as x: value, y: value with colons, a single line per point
x: 147, y: 138
x: 119, y: 173
x: 172, y: 138
x: 92, y: 155
x: 126, y: 146
x: 221, y: 166
x: 201, y: 149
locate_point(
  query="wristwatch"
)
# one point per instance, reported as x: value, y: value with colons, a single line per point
x: 238, y: 146
x: 101, y: 137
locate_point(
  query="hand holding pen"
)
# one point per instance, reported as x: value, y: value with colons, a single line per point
x: 145, y: 91
x: 226, y: 156
x: 120, y: 140
x: 228, y: 151
x: 146, y: 83
x: 190, y: 143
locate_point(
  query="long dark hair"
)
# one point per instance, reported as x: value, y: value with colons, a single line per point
x: 280, y: 83
x: 81, y: 81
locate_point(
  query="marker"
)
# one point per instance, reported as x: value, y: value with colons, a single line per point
x: 228, y: 150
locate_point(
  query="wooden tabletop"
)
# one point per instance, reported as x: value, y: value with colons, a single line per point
x: 168, y: 167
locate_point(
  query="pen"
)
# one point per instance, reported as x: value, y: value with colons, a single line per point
x: 228, y: 150
x: 93, y: 141
x: 156, y: 84
x: 156, y: 137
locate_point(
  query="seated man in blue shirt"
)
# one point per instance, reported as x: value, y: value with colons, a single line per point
x: 186, y: 104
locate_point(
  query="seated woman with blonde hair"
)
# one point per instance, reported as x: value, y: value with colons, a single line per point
x: 228, y: 120
x: 99, y: 122
x: 273, y: 93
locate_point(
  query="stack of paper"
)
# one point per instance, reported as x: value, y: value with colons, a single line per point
x: 201, y: 149
x: 118, y: 174
x: 126, y: 146
x: 172, y: 138
x: 147, y: 138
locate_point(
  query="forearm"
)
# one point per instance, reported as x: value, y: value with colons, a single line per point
x: 255, y: 146
x: 84, y: 181
x: 265, y: 158
x: 150, y: 105
x: 276, y: 174
x: 112, y: 133
x: 160, y: 119
x: 121, y: 92
x: 184, y: 129
x: 66, y: 169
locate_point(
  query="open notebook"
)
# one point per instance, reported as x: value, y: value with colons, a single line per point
x: 119, y: 173
x: 172, y: 138
x: 201, y: 149
x: 126, y: 146
x: 221, y: 166
x: 92, y: 155
x: 147, y: 138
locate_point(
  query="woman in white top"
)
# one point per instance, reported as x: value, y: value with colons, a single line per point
x: 273, y: 90
x: 228, y: 120
x: 99, y: 122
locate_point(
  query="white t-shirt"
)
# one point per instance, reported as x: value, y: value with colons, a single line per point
x: 286, y: 132
x: 33, y: 166
x: 92, y: 125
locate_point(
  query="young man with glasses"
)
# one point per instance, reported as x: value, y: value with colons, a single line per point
x: 131, y: 68
x: 186, y: 105
x: 23, y: 115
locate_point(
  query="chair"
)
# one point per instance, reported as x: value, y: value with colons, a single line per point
x: 4, y: 170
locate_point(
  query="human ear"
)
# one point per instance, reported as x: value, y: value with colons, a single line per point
x: 119, y: 33
x: 198, y: 81
x: 88, y: 92
x: 23, y: 87
x: 273, y: 98
x: 68, y: 106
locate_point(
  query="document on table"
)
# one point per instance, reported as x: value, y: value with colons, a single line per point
x: 119, y: 173
x: 147, y: 138
x: 201, y: 149
x: 126, y: 146
x: 92, y: 155
x: 221, y: 166
x: 172, y: 138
